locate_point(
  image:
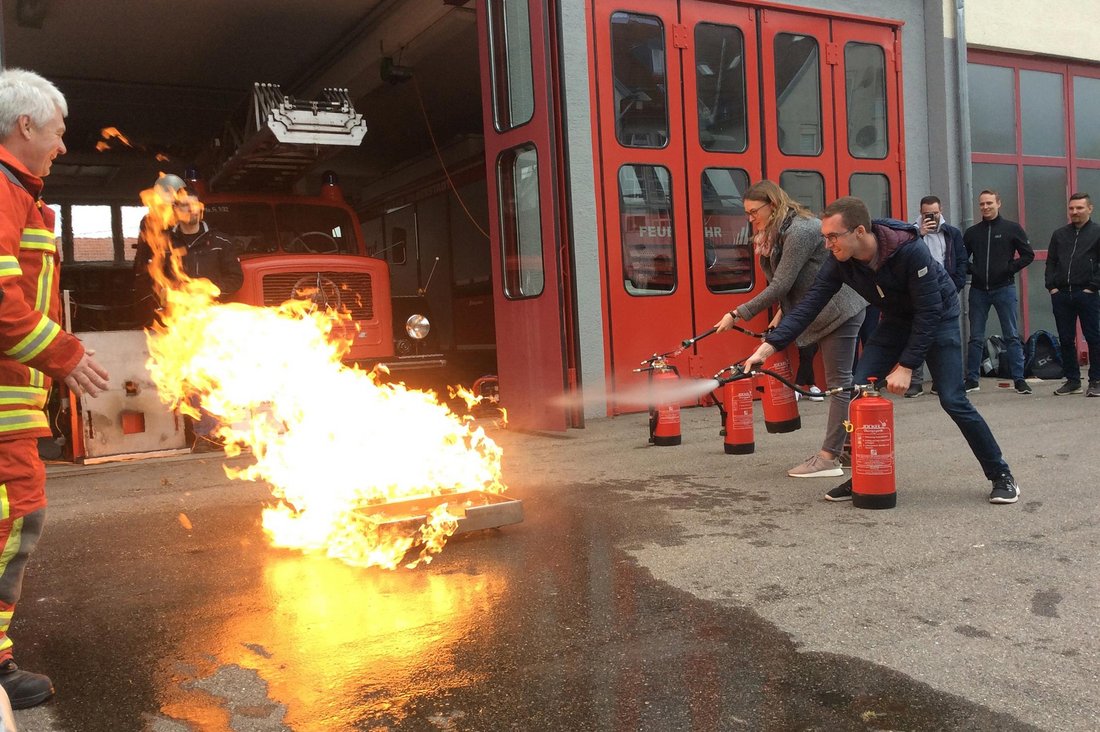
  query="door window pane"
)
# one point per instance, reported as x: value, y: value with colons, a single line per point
x: 865, y: 92
x: 521, y: 226
x: 999, y: 178
x: 510, y: 71
x: 874, y: 190
x: 727, y: 245
x: 1088, y: 181
x: 131, y: 226
x: 720, y: 82
x: 93, y: 240
x: 638, y: 68
x: 1042, y: 113
x: 1086, y: 112
x: 649, y: 246
x: 992, y: 109
x: 798, y: 94
x: 805, y: 186
x: 1045, y: 202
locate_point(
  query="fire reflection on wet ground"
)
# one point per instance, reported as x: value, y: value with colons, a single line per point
x: 545, y: 625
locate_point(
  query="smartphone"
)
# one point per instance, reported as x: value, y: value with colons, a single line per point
x: 929, y: 216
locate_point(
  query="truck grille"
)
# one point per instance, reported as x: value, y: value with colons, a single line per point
x: 350, y: 291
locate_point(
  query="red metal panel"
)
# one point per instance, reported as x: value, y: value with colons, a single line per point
x: 707, y: 306
x: 529, y: 332
x: 843, y: 33
x: 638, y: 326
x: 773, y: 23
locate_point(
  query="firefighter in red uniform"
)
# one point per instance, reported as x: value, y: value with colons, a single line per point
x: 33, y: 347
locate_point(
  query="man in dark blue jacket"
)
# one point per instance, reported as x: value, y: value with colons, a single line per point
x: 888, y: 265
x: 1000, y: 249
x: 945, y: 243
x: 1073, y: 280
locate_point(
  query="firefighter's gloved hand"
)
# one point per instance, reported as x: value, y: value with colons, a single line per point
x: 759, y: 356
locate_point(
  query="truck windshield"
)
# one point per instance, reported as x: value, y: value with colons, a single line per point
x: 294, y: 228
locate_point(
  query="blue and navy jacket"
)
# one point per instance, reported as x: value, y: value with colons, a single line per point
x: 909, y: 287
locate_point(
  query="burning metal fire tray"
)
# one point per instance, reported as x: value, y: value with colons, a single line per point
x: 476, y: 510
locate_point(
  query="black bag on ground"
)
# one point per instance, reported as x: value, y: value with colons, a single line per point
x: 1043, y: 356
x: 991, y: 361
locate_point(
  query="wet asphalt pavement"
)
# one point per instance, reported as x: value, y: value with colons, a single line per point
x: 618, y: 604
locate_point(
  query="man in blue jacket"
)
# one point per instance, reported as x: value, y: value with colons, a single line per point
x: 888, y: 265
x: 945, y: 243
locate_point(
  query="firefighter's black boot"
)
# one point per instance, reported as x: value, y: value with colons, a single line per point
x: 24, y: 689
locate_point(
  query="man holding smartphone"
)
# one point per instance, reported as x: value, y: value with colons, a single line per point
x: 945, y: 243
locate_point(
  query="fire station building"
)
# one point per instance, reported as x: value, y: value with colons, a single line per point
x: 580, y: 180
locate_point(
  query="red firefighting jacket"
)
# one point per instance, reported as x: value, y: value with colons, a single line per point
x: 33, y: 347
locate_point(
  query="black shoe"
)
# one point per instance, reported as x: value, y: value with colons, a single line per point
x: 24, y: 689
x: 1005, y: 490
x: 1022, y: 387
x: 842, y: 492
x: 1094, y: 389
x: 914, y: 391
x: 971, y: 385
x: 1070, y: 387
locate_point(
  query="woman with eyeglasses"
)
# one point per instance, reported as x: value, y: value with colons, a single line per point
x: 787, y: 238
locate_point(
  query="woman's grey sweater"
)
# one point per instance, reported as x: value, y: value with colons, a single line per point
x: 791, y: 269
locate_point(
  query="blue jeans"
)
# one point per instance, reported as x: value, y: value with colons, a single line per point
x: 1068, y: 308
x: 944, y: 361
x: 1004, y: 300
x: 837, y: 350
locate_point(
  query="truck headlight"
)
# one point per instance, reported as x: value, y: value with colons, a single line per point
x: 417, y: 326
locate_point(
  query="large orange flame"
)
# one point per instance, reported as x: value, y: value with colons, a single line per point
x: 333, y: 443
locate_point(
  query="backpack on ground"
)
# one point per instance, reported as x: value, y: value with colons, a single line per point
x: 991, y: 359
x: 1043, y: 356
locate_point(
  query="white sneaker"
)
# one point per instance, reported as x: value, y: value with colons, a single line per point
x: 817, y: 467
x: 815, y: 390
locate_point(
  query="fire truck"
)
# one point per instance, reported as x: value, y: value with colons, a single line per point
x: 293, y: 246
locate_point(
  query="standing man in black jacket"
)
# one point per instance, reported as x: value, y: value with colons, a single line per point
x: 1073, y: 279
x: 888, y: 265
x: 993, y: 244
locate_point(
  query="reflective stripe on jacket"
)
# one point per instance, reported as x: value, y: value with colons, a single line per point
x: 33, y: 346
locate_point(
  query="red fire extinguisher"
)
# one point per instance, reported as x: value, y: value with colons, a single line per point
x: 780, y: 405
x: 664, y: 415
x: 872, y: 428
x: 737, y: 401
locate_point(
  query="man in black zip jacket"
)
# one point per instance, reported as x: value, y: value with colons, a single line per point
x: 1073, y: 279
x: 993, y: 244
x: 888, y: 265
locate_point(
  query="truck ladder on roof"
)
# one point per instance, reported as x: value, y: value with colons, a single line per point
x: 280, y: 137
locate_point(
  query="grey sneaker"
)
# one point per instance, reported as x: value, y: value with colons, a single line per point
x: 842, y: 492
x: 971, y: 385
x: 914, y: 391
x: 1070, y: 387
x: 1022, y: 387
x: 1005, y: 490
x: 817, y: 467
x: 1094, y: 389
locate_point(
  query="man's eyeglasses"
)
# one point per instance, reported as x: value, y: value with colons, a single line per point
x: 834, y: 236
x: 753, y: 211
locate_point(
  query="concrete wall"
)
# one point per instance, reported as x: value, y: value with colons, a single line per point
x: 1035, y: 26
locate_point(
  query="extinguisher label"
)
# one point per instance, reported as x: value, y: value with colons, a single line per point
x: 781, y: 393
x: 668, y: 414
x: 874, y: 443
x: 741, y: 416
